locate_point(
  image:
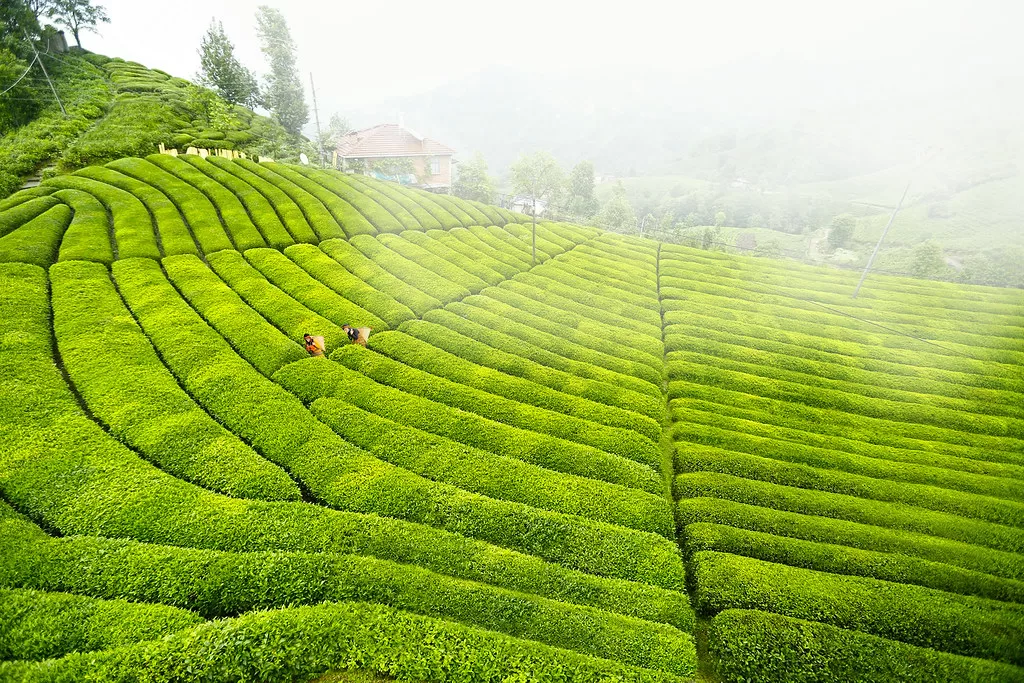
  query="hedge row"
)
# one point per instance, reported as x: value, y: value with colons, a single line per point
x: 217, y: 584
x: 424, y: 356
x: 310, y: 379
x: 960, y: 624
x: 820, y: 529
x: 407, y: 218
x: 132, y: 226
x: 849, y: 398
x: 523, y: 235
x: 432, y: 262
x: 540, y: 347
x: 749, y: 645
x: 478, y: 215
x: 390, y: 191
x: 36, y: 625
x: 469, y: 253
x: 838, y: 559
x: 491, y: 212
x: 501, y: 240
x: 435, y: 243
x: 602, y: 256
x: 18, y: 215
x: 494, y: 476
x: 568, y: 348
x: 346, y: 215
x: 426, y: 281
x: 1002, y: 481
x: 316, y: 214
x: 601, y: 304
x: 256, y: 340
x: 88, y: 235
x: 173, y: 235
x: 375, y: 276
x: 422, y: 199
x: 338, y: 473
x: 640, y: 283
x: 972, y: 505
x: 623, y: 442
x: 850, y: 508
x: 302, y: 643
x: 476, y: 344
x: 379, y: 217
x: 571, y: 276
x: 22, y: 196
x: 290, y: 213
x: 231, y: 212
x: 880, y: 376
x: 848, y: 425
x: 45, y: 436
x: 127, y: 387
x: 576, y: 330
x: 502, y: 261
x: 257, y: 208
x: 453, y: 207
x: 38, y: 240
x: 319, y: 298
x: 333, y: 275
x: 276, y: 306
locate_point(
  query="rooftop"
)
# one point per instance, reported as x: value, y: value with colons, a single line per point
x: 389, y: 140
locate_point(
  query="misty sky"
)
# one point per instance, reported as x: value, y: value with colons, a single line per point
x: 363, y: 53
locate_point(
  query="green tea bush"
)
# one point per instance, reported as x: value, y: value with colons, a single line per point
x: 38, y: 240
x: 411, y: 272
x: 13, y: 218
x: 22, y: 196
x: 256, y: 205
x: 855, y: 535
x: 376, y: 277
x: 624, y: 442
x: 492, y: 214
x: 35, y: 625
x: 509, y: 263
x: 961, y: 624
x: 767, y: 647
x: 230, y: 210
x: 432, y: 262
x: 256, y: 340
x: 87, y: 237
x: 333, y: 275
x: 378, y: 216
x: 392, y: 192
x: 501, y: 240
x: 298, y: 284
x: 476, y: 216
x: 851, y: 508
x: 458, y: 336
x: 290, y: 213
x: 450, y: 205
x: 127, y: 388
x: 523, y: 235
x: 316, y: 214
x: 133, y: 127
x: 347, y: 216
x: 408, y: 217
x: 174, y: 236
x: 599, y: 304
x: 438, y: 247
x: 465, y: 253
x: 311, y: 379
x: 640, y: 296
x: 424, y: 356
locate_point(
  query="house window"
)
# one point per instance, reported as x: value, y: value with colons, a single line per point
x: 435, y: 167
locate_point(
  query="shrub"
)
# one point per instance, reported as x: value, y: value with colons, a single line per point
x: 311, y: 379
x: 333, y: 275
x: 377, y: 277
x: 88, y: 236
x: 919, y: 616
x: 492, y: 214
x: 22, y: 196
x: 600, y: 304
x: 511, y: 264
x: 352, y: 222
x: 476, y: 216
x: 391, y: 192
x: 127, y: 387
x: 290, y: 214
x: 424, y: 356
x: 13, y: 218
x: 426, y: 201
x: 438, y: 247
x: 411, y: 272
x: 523, y: 235
x: 432, y: 262
x: 37, y: 240
x: 316, y: 214
x: 750, y: 645
x: 36, y: 625
x: 514, y: 249
x: 377, y: 215
x: 448, y: 204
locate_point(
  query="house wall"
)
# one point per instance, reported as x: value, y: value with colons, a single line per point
x: 443, y: 178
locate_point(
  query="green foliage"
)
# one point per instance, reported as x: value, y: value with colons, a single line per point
x: 77, y: 16
x: 840, y: 230
x: 537, y: 177
x: 20, y: 102
x: 472, y: 181
x: 928, y: 260
x: 38, y: 240
x: 580, y: 191
x: 221, y: 70
x: 290, y: 213
x: 282, y: 92
x: 87, y: 237
x: 411, y: 272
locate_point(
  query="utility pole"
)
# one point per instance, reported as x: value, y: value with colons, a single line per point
x: 316, y: 113
x: 43, y: 67
x: 877, y: 246
x: 534, y: 228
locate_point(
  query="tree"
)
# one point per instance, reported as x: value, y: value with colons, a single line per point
x: 582, y: 202
x: 618, y: 212
x: 77, y: 16
x: 840, y: 230
x: 928, y: 260
x: 720, y: 219
x: 537, y: 177
x: 222, y: 72
x: 21, y: 103
x: 473, y: 182
x: 282, y: 92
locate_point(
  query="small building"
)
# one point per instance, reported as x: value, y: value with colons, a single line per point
x: 391, y: 151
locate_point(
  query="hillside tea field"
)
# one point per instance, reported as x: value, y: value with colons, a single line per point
x: 627, y: 462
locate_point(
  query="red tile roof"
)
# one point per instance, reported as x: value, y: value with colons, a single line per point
x: 389, y: 140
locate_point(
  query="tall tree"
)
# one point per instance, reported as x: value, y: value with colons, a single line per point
x: 618, y: 212
x: 16, y: 19
x: 337, y: 128
x: 221, y: 71
x: 537, y: 177
x: 282, y: 93
x: 77, y: 16
x: 473, y: 181
x: 582, y: 202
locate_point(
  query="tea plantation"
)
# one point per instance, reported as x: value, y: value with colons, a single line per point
x: 630, y: 461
